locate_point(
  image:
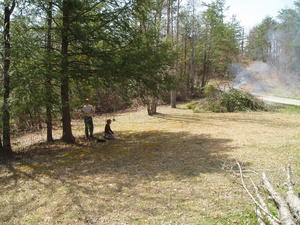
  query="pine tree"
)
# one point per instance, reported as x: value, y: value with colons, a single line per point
x: 8, y: 10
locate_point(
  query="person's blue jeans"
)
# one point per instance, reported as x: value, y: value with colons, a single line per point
x: 89, y: 126
x: 109, y: 136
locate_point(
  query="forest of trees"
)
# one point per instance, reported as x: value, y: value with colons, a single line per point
x: 56, y: 53
x: 277, y: 40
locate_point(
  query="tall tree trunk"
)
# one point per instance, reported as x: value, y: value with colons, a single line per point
x: 204, y: 70
x: 158, y: 16
x: 173, y: 98
x: 6, y: 78
x: 168, y: 17
x: 48, y: 83
x: 185, y: 70
x: 66, y: 117
x: 193, y: 67
x: 173, y: 92
x: 243, y: 42
x: 170, y: 34
x: 193, y: 54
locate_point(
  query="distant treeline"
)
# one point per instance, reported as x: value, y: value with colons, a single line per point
x: 277, y: 40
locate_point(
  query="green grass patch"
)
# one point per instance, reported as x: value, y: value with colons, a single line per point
x: 290, y: 109
x: 243, y: 218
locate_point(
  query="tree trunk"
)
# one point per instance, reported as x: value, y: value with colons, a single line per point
x: 185, y: 69
x: 243, y: 42
x: 6, y: 78
x: 158, y: 16
x: 173, y: 92
x: 2, y: 154
x: 193, y: 68
x: 48, y: 83
x: 168, y: 17
x: 205, y: 70
x: 193, y: 54
x: 49, y: 113
x: 66, y: 117
x: 170, y: 34
x: 173, y: 98
x: 152, y: 106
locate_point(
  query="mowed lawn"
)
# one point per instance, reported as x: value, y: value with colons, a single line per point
x: 173, y: 168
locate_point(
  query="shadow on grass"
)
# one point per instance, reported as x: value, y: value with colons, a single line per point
x: 127, y: 162
x: 180, y: 118
x: 229, y: 117
x: 137, y: 154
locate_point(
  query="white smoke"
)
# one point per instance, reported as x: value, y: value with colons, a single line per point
x: 265, y: 78
x: 280, y: 75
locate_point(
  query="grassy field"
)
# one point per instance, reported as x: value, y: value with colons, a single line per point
x: 172, y: 168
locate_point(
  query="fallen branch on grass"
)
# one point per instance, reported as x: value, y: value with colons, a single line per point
x: 288, y: 209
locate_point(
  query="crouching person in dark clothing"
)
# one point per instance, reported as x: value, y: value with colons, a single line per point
x: 108, y: 133
x: 88, y: 111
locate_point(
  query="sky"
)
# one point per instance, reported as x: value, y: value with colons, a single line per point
x: 252, y: 12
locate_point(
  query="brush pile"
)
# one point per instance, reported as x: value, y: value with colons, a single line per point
x: 233, y: 100
x: 280, y: 210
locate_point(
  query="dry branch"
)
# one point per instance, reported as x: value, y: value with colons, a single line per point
x: 261, y: 201
x: 288, y: 208
x: 259, y: 216
x: 264, y: 209
x: 285, y: 214
x: 291, y: 197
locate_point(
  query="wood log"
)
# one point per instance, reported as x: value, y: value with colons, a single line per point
x: 288, y: 208
x: 291, y: 197
x: 263, y: 208
x: 269, y: 217
x: 285, y: 215
x: 260, y: 219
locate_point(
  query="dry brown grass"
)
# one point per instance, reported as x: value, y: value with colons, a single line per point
x: 166, y: 169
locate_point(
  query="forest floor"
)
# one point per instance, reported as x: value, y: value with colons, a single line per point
x: 171, y: 168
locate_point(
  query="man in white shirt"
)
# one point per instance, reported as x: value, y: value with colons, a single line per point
x: 88, y: 111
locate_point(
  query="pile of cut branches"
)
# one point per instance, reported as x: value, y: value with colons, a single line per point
x: 233, y: 100
x: 281, y: 210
